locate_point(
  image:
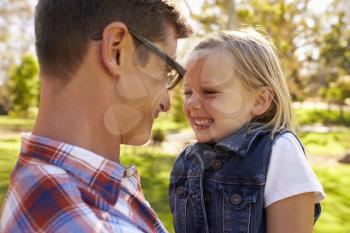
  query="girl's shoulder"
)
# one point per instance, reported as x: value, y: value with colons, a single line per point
x: 288, y: 140
x: 290, y: 172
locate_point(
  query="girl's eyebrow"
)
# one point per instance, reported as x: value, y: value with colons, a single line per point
x: 217, y: 86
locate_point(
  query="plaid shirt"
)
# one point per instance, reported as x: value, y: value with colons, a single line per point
x: 57, y: 187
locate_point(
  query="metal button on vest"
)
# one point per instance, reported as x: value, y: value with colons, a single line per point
x: 189, y: 156
x: 193, y: 195
x: 216, y: 164
x: 235, y: 199
x: 206, y: 197
x: 180, y: 190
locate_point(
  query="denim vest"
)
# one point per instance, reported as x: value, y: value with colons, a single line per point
x: 220, y: 188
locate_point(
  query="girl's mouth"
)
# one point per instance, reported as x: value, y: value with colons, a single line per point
x: 202, y: 123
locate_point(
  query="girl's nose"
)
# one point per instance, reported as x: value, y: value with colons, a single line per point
x: 193, y: 102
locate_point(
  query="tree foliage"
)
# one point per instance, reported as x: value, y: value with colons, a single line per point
x: 334, y: 60
x: 16, y: 36
x: 176, y: 110
x: 24, y: 86
x: 314, y: 48
x: 290, y: 24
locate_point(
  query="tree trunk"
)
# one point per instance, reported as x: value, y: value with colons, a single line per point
x: 232, y: 19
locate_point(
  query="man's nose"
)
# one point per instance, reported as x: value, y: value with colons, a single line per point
x: 165, y: 103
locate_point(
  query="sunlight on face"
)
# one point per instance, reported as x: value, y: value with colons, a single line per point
x: 216, y: 101
x: 141, y: 93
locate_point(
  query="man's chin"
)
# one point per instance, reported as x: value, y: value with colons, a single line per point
x: 137, y: 140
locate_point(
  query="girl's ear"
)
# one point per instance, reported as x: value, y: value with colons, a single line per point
x: 263, y: 99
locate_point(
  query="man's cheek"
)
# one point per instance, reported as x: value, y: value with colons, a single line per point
x: 130, y: 86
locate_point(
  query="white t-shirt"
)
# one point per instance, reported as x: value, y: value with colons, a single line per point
x: 289, y: 172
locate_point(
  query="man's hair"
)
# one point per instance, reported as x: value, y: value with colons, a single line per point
x: 63, y: 28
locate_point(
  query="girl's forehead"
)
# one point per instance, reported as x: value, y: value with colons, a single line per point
x: 213, y: 67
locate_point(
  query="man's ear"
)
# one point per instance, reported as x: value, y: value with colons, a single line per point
x: 263, y: 100
x: 115, y: 42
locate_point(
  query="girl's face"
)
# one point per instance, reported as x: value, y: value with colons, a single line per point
x: 216, y: 102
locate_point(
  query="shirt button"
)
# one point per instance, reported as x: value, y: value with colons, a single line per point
x: 216, y: 164
x: 180, y: 190
x: 235, y: 199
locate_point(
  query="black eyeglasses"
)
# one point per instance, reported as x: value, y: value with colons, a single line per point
x: 174, y: 75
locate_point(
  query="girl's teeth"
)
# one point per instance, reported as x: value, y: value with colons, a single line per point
x: 202, y: 122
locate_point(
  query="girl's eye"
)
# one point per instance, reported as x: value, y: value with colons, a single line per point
x: 187, y: 93
x: 210, y: 92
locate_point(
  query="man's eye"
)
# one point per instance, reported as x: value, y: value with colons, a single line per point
x: 167, y: 69
x: 168, y: 72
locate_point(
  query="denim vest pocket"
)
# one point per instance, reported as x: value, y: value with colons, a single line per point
x: 238, y: 207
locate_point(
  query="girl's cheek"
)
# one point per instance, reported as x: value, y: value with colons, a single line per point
x: 211, y: 105
x: 186, y: 111
x: 185, y: 106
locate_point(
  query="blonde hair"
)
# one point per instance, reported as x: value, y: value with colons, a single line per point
x: 256, y: 62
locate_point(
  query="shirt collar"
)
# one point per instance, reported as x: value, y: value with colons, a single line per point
x: 102, y: 175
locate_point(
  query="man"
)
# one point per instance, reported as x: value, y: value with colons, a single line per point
x: 103, y: 84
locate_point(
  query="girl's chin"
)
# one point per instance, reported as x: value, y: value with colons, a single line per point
x: 205, y: 139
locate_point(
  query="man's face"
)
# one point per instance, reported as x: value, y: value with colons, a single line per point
x: 143, y: 92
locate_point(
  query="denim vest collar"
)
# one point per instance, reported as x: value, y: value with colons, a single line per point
x: 239, y: 142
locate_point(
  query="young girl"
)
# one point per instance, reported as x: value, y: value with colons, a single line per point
x: 247, y: 172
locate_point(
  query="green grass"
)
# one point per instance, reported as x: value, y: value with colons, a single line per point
x: 154, y: 168
x: 320, y: 116
x: 336, y: 206
x: 9, y: 149
x: 326, y: 144
x: 16, y: 124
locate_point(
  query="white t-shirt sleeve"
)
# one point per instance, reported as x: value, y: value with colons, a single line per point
x: 289, y: 172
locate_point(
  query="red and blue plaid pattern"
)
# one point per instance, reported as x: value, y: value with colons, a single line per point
x: 57, y: 187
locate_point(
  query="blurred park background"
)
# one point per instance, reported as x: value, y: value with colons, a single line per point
x: 313, y: 40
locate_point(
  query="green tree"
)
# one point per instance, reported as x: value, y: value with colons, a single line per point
x: 176, y: 111
x: 4, y: 100
x: 338, y: 92
x: 290, y: 23
x: 215, y: 15
x: 334, y: 59
x: 16, y: 37
x: 24, y: 86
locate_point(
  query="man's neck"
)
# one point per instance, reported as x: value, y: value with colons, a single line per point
x: 76, y: 120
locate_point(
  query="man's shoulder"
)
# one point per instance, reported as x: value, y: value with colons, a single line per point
x: 35, y: 177
x: 39, y: 195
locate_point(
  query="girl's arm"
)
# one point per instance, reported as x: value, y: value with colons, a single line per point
x: 294, y: 214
